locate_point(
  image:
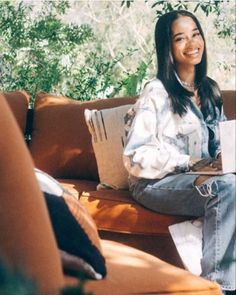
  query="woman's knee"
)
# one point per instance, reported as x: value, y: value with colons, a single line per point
x: 213, y: 186
x: 228, y: 182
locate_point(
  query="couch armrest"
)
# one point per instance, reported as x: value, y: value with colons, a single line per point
x: 26, y: 241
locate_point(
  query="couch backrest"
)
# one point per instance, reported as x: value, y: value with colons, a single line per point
x: 61, y: 143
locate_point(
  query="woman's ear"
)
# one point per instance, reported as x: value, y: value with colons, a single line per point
x: 27, y: 241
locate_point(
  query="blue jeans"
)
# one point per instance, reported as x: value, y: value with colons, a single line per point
x: 215, y: 201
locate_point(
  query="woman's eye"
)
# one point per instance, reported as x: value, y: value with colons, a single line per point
x: 196, y: 34
x: 179, y: 39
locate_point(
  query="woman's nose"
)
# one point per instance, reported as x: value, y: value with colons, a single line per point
x: 190, y: 42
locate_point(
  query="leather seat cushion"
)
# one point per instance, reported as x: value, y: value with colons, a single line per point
x: 131, y: 271
x: 115, y: 210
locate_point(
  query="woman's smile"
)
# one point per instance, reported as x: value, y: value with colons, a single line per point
x: 192, y: 52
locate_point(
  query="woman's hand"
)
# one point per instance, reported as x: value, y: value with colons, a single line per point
x: 207, y: 165
x: 216, y: 164
x: 210, y: 165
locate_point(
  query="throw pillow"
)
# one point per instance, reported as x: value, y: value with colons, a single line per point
x: 106, y: 127
x: 75, y: 231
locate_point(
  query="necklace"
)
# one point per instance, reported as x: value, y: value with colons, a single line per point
x: 189, y: 86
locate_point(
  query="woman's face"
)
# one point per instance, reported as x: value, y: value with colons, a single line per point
x: 187, y: 42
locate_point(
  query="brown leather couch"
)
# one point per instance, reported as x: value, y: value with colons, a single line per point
x: 61, y: 145
x: 135, y: 240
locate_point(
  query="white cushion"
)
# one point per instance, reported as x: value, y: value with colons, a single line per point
x: 48, y: 184
x: 108, y: 138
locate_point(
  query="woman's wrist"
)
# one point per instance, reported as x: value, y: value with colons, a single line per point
x: 192, y: 162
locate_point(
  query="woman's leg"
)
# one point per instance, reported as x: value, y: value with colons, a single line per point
x: 175, y: 195
x: 27, y: 241
x: 215, y: 201
x: 219, y: 247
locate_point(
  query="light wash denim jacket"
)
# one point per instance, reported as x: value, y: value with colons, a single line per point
x: 160, y: 142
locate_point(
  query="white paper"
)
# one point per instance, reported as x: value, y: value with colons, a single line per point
x: 187, y: 237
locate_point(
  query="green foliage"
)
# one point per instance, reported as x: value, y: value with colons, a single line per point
x: 132, y: 81
x: 94, y: 80
x: 33, y: 48
x: 43, y: 53
x: 225, y: 28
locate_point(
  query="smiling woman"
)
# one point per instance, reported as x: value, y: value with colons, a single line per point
x: 174, y: 125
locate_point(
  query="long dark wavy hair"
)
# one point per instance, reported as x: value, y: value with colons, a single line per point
x: 208, y: 89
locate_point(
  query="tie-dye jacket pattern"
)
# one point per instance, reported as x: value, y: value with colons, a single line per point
x: 160, y: 142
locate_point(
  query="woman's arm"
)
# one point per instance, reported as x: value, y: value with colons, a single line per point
x: 145, y: 154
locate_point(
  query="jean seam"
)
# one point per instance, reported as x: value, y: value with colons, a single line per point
x: 218, y: 237
x: 224, y: 285
x: 168, y: 188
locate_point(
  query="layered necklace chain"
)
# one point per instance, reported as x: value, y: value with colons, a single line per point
x: 189, y: 86
x: 192, y: 87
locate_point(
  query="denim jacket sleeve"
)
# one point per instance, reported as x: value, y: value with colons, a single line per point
x: 213, y: 127
x: 145, y: 153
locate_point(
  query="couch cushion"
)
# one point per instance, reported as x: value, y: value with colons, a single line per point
x: 131, y: 271
x: 76, y: 236
x: 78, y: 187
x: 108, y: 138
x: 61, y: 143
x: 19, y: 103
x: 148, y: 274
x: 116, y: 211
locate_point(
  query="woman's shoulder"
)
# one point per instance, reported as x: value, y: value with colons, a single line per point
x: 154, y: 93
x: 153, y: 98
x: 154, y: 85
